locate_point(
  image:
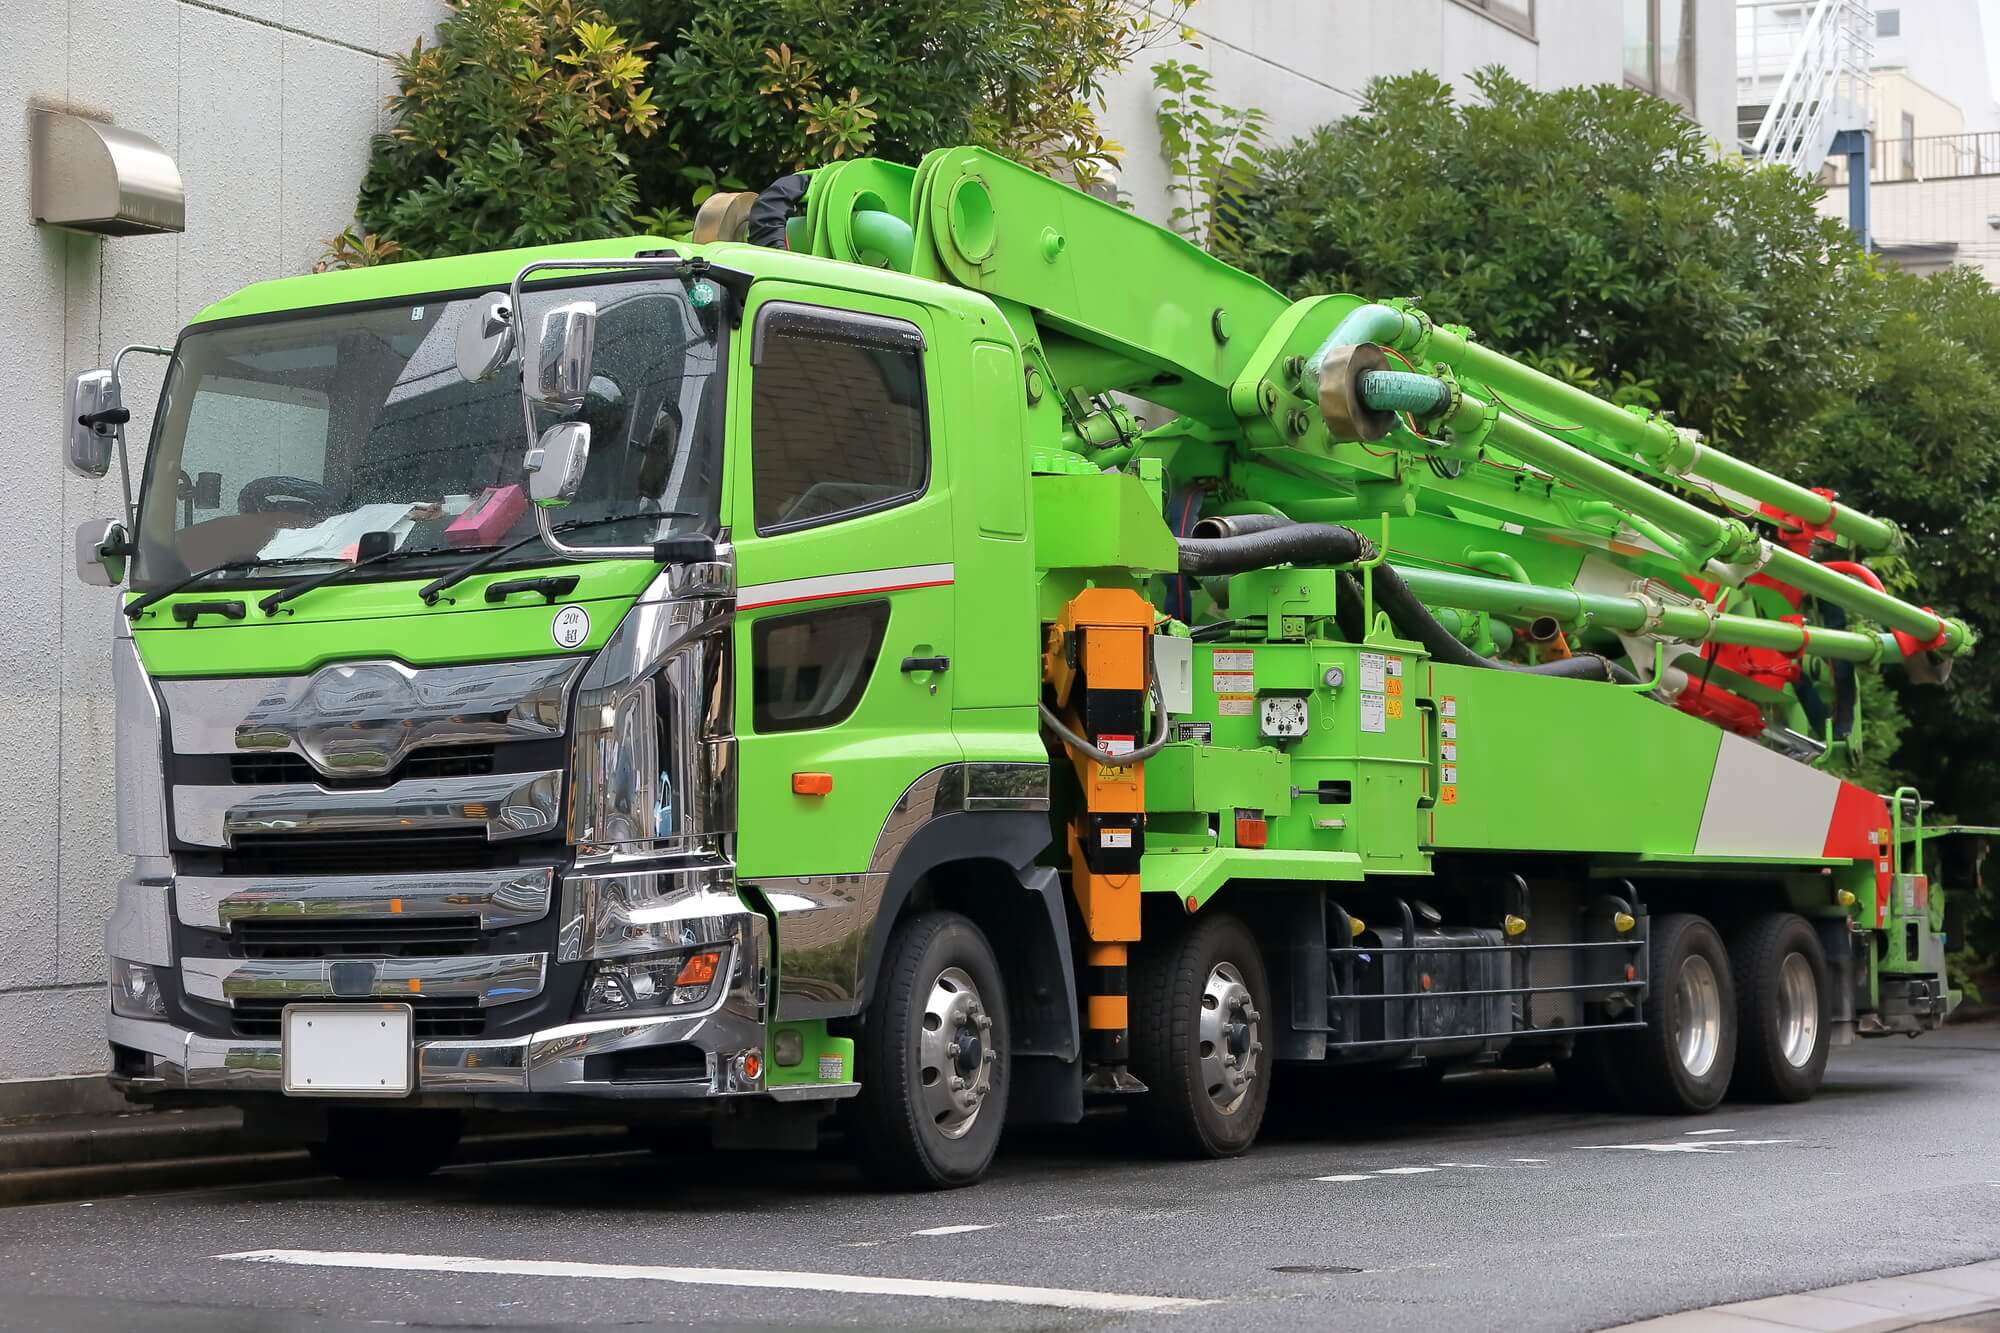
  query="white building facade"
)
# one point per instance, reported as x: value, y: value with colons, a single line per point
x: 267, y: 107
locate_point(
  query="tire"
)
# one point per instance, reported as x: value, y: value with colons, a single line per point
x: 387, y: 1145
x: 1781, y: 996
x: 939, y: 1014
x: 1680, y: 1063
x: 1195, y: 1105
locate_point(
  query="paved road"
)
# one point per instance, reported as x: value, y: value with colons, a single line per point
x: 1493, y: 1207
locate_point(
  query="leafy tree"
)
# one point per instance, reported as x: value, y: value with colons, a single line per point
x: 1214, y: 154
x: 511, y: 131
x: 542, y: 120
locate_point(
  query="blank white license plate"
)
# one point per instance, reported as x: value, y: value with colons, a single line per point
x: 358, y: 1050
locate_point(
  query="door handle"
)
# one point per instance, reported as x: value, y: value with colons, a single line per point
x: 927, y: 664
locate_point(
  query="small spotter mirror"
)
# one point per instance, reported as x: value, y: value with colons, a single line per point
x: 485, y: 337
x: 95, y: 414
x: 556, y: 464
x: 101, y: 548
x: 562, y: 368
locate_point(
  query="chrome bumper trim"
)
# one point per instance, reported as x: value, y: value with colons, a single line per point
x: 501, y: 805
x: 501, y: 898
x: 550, y: 1061
x: 486, y: 979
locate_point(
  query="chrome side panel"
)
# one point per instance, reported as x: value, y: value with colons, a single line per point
x: 620, y: 913
x: 500, y: 805
x: 824, y: 921
x: 665, y: 671
x: 501, y: 898
x: 139, y: 928
x: 486, y: 979
x: 361, y: 719
x: 139, y: 782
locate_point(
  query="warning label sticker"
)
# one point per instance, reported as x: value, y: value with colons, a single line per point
x: 1235, y: 705
x: 1374, y: 667
x: 1117, y: 744
x: 1448, y: 730
x: 1235, y: 660
x: 1115, y: 839
x: 831, y: 1069
x: 1450, y: 775
x: 1396, y: 669
x: 1372, y: 712
x: 1393, y: 707
x: 1450, y: 751
x: 1235, y: 682
x: 1395, y: 684
x: 1448, y: 794
x: 1448, y: 705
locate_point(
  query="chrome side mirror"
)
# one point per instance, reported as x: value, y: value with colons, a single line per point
x: 562, y: 367
x: 556, y: 464
x: 95, y: 414
x: 485, y: 337
x: 101, y: 548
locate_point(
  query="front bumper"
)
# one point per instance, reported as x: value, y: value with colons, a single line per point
x: 557, y: 1061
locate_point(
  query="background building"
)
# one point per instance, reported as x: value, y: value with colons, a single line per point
x: 267, y: 105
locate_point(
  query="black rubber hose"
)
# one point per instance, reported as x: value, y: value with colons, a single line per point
x: 1288, y: 543
x: 1236, y: 525
x: 774, y: 207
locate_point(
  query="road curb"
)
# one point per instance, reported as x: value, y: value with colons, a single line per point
x: 1883, y: 1305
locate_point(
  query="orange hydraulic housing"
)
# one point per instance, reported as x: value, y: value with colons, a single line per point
x: 1096, y: 664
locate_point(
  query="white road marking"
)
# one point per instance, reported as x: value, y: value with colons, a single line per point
x: 1535, y: 1160
x: 1694, y: 1132
x: 1361, y: 1177
x: 1406, y: 1170
x: 854, y: 1284
x: 1683, y: 1146
x: 960, y: 1229
x: 1471, y: 1166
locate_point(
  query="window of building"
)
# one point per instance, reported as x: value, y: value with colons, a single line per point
x: 837, y: 424
x: 1888, y: 22
x: 1659, y: 48
x: 811, y: 669
x: 1516, y: 14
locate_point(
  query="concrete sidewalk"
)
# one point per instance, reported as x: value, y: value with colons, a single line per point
x: 1949, y: 1299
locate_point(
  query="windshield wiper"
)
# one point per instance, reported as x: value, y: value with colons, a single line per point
x: 303, y: 586
x: 137, y: 606
x: 431, y: 591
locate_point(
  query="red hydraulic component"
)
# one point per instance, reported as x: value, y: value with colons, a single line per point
x: 1796, y: 534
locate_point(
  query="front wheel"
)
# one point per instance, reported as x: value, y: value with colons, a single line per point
x: 933, y: 1058
x: 1680, y: 1063
x: 1199, y: 1003
x: 1781, y: 989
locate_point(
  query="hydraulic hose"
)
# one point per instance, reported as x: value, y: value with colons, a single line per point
x: 1284, y: 543
x: 1403, y: 391
x: 1105, y: 757
x: 1410, y: 616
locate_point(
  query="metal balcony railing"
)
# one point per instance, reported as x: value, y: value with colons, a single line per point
x: 1928, y: 157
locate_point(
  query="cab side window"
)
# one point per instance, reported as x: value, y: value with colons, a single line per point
x: 837, y: 420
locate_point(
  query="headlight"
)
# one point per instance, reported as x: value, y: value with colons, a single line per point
x: 679, y: 980
x: 135, y: 992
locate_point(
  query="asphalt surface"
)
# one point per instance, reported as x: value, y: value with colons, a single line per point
x: 1489, y: 1206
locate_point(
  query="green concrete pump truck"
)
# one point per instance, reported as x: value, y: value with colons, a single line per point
x: 934, y: 650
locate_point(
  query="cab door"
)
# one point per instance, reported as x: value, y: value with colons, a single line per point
x: 841, y: 520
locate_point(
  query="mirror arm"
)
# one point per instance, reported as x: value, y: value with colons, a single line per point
x: 117, y: 419
x: 567, y: 552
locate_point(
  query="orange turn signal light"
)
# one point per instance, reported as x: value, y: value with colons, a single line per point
x: 811, y: 784
x: 1251, y: 831
x: 698, y: 970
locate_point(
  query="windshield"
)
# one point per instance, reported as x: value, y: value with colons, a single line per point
x: 287, y: 440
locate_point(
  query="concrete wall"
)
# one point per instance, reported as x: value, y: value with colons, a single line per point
x: 1307, y: 64
x: 1928, y: 225
x: 267, y: 105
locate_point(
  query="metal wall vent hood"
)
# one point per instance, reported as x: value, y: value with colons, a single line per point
x: 93, y: 177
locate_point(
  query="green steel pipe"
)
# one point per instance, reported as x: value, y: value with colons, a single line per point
x: 1366, y: 324
x: 1704, y: 532
x: 1404, y: 391
x: 1831, y: 585
x: 1652, y: 532
x: 884, y: 234
x: 1498, y: 597
x: 1498, y: 562
x: 1654, y: 439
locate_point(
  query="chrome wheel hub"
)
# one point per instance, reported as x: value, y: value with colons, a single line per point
x: 1697, y: 1015
x: 1230, y: 1049
x: 954, y: 1053
x: 1798, y: 1010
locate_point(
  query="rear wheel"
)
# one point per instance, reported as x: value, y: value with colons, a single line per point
x: 1198, y: 1007
x: 368, y: 1144
x: 1680, y: 1063
x: 933, y: 1058
x: 1782, y: 1029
